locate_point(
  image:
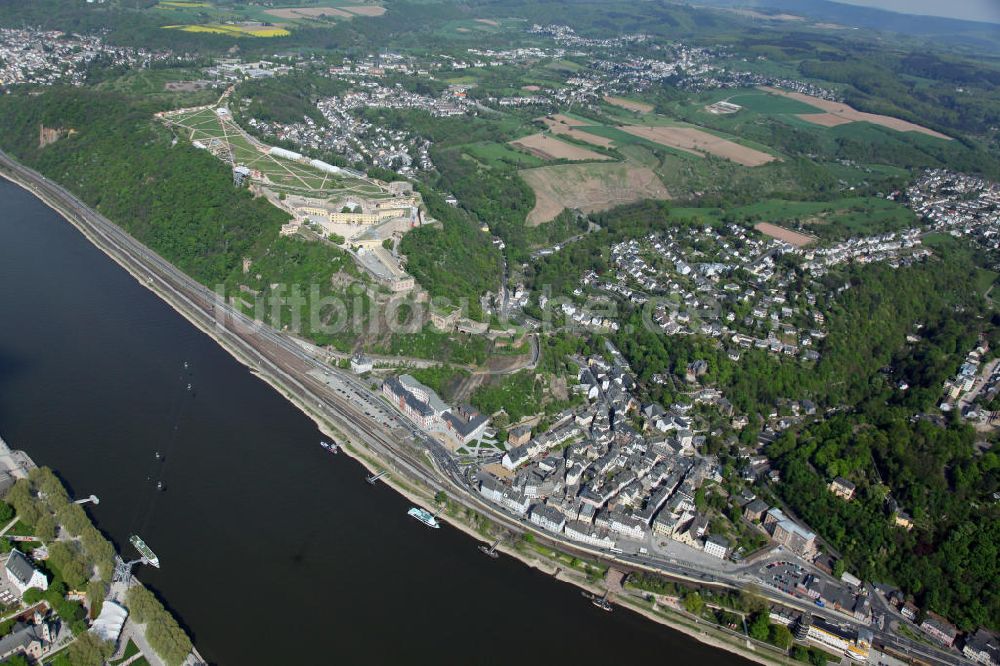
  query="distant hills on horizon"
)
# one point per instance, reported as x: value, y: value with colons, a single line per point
x: 954, y: 31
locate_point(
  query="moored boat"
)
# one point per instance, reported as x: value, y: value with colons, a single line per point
x: 147, y: 553
x: 424, y: 516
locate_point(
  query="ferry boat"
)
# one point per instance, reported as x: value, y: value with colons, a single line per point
x: 424, y: 516
x: 144, y: 550
x: 332, y: 448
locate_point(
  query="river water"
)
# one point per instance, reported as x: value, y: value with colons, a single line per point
x: 273, y: 551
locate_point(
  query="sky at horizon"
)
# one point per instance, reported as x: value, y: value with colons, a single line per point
x: 970, y: 10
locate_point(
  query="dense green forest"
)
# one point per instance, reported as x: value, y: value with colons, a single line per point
x: 174, y: 198
x: 178, y: 200
x: 454, y: 260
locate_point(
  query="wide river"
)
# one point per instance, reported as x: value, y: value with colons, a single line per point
x: 273, y: 552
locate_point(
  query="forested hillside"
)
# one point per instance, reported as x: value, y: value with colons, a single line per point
x: 178, y: 200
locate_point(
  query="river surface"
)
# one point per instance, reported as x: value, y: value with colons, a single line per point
x: 273, y: 551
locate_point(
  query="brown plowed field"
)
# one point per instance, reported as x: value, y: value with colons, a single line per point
x: 696, y: 141
x: 589, y: 187
x: 640, y: 107
x: 565, y: 120
x: 366, y: 10
x: 549, y: 148
x: 306, y: 12
x: 783, y: 234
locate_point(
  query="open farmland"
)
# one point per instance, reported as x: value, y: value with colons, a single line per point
x: 365, y: 10
x: 566, y: 126
x: 589, y: 188
x: 307, y: 12
x: 549, y: 148
x: 848, y: 114
x: 825, y: 119
x: 783, y: 234
x: 631, y: 105
x: 563, y: 119
x: 698, y: 142
x: 760, y: 101
x: 233, y: 30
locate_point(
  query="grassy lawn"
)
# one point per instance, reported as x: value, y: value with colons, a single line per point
x: 985, y: 279
x: 499, y: 154
x: 940, y: 241
x: 21, y: 529
x: 131, y: 649
x: 591, y: 568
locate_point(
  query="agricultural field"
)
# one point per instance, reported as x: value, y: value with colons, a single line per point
x: 781, y: 233
x: 547, y: 147
x: 630, y: 105
x: 467, y: 27
x: 662, y: 132
x: 837, y: 113
x: 794, y: 109
x: 589, y: 188
x: 308, y: 12
x: 254, y: 20
x: 761, y: 102
x: 699, y: 142
x: 233, y: 30
x: 571, y: 127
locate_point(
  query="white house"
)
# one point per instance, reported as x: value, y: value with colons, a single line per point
x: 360, y: 364
x: 716, y: 546
x: 548, y: 518
x: 22, y: 574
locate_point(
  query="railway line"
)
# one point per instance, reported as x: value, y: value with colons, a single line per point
x: 350, y: 406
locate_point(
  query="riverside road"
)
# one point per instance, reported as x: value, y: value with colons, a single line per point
x: 346, y: 402
x: 272, y: 550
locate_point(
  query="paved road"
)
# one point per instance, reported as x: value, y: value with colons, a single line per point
x: 335, y: 396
